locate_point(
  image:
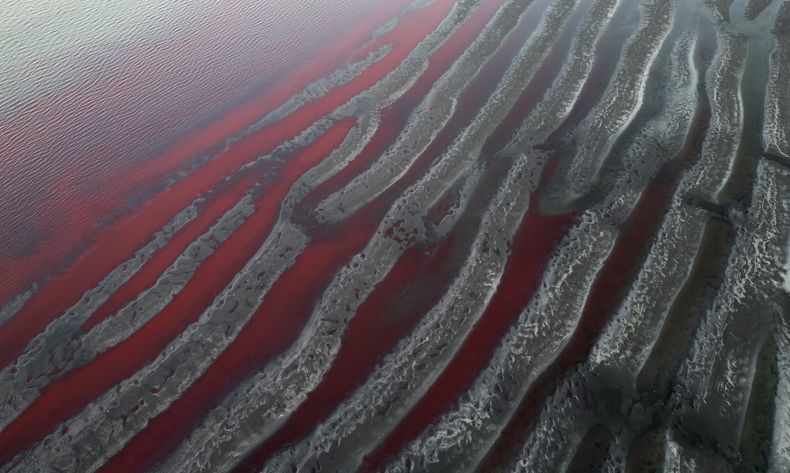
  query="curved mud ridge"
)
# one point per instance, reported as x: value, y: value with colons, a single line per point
x: 494, y: 236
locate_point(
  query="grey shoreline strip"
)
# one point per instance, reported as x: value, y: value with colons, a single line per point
x: 83, y: 429
x: 623, y: 97
x: 61, y: 349
x: 618, y: 358
x: 312, y: 91
x: 35, y: 361
x: 378, y: 389
x: 425, y: 123
x: 320, y: 341
x: 12, y: 379
x: 161, y: 382
x: 458, y: 440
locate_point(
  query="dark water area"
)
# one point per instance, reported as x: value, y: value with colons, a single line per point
x: 401, y: 236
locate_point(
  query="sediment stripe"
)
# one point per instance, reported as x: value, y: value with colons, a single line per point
x: 151, y: 301
x: 62, y: 347
x: 754, y: 84
x: 723, y: 83
x: 354, y: 426
x: 623, y: 98
x: 487, y: 408
x: 213, y: 206
x: 779, y: 454
x: 776, y: 119
x: 539, y: 86
x: 107, y: 253
x: 197, y: 345
x: 717, y: 375
x: 627, y: 340
x: 605, y: 59
x: 15, y: 304
x: 397, y: 94
x: 14, y: 332
x: 94, y: 297
x: 332, y: 427
x: 566, y: 89
x: 427, y: 120
x: 95, y: 264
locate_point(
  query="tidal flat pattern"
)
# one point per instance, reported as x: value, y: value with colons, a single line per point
x: 451, y: 236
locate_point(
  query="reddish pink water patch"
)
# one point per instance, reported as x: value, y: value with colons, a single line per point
x: 607, y: 293
x: 209, y: 214
x: 532, y: 248
x: 394, y: 118
x: 372, y: 334
x: 416, y: 283
x: 114, y: 181
x: 289, y: 303
x: 119, y: 242
x: 68, y: 395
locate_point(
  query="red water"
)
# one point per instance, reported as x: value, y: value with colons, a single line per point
x: 127, y: 134
x: 532, y: 248
x: 76, y: 212
x: 293, y: 296
x: 119, y: 242
x: 610, y: 286
x: 66, y: 396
